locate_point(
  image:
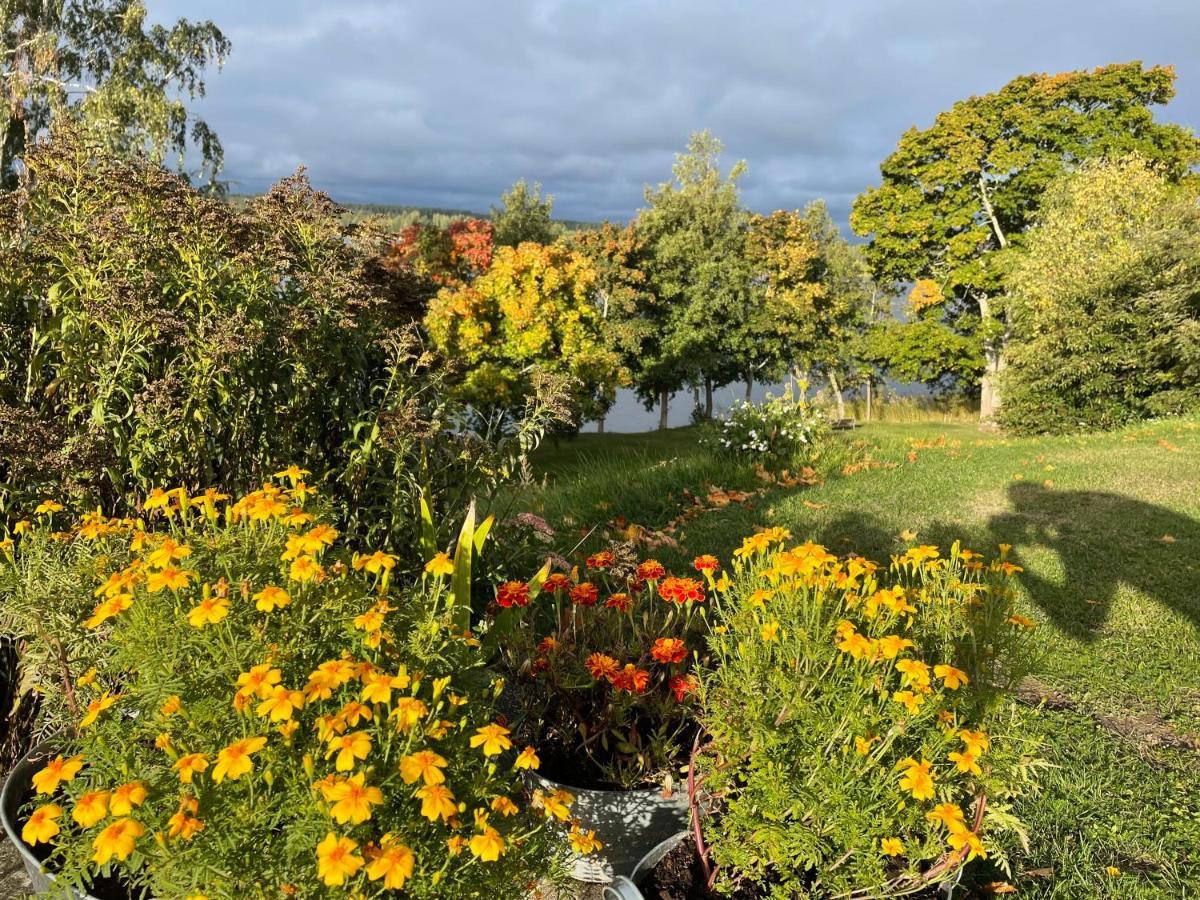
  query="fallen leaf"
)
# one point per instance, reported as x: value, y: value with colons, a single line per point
x: 1047, y: 484
x: 1167, y: 445
x: 999, y: 887
x: 812, y: 505
x: 1047, y: 872
x: 912, y: 456
x: 1167, y: 539
x: 908, y: 535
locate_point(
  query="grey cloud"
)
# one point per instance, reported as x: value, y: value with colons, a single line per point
x: 438, y: 103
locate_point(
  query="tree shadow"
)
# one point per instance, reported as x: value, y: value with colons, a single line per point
x: 1102, y: 540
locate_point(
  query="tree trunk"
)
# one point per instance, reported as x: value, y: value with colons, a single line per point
x: 837, y: 394
x: 708, y: 400
x: 870, y: 381
x: 663, y: 397
x: 749, y: 386
x: 696, y: 395
x: 993, y: 354
x: 600, y: 425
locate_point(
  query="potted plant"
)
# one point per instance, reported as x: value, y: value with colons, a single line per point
x: 604, y: 657
x: 860, y: 740
x: 268, y: 714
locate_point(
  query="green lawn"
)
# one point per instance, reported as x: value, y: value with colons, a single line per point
x: 1107, y: 528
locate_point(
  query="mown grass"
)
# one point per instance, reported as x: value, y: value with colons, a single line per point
x: 1107, y: 528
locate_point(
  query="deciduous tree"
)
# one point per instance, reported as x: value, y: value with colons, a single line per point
x: 957, y: 196
x: 97, y: 61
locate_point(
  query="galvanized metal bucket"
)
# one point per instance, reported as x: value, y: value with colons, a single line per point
x: 629, y: 823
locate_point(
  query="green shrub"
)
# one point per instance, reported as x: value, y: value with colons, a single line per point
x: 154, y: 335
x: 254, y: 711
x: 860, y: 740
x: 1105, y: 303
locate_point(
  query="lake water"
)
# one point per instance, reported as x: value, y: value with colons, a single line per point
x: 629, y: 416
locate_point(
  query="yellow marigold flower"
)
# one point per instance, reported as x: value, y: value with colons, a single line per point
x: 857, y: 645
x: 437, y: 802
x: 349, y: 748
x: 90, y: 808
x: 97, y: 706
x: 375, y: 563
x: 504, y: 806
x: 169, y: 578
x: 354, y: 712
x: 949, y: 814
x: 953, y: 678
x: 372, y: 620
x: 126, y: 797
x: 965, y: 762
x: 352, y: 799
x: 527, y: 759
x: 407, y: 712
x: 915, y: 672
x: 42, y: 824
x: 259, y: 682
x: 440, y: 565
x: 208, y: 611
x: 1112, y: 870
x: 57, y: 771
x: 166, y: 553
x: 21, y: 527
x: 1023, y: 621
x: 116, y: 840
x: 107, y: 608
x: 920, y: 554
x: 189, y: 764
x: 455, y: 845
x: 584, y: 842
x: 305, y: 568
x: 892, y: 645
x: 163, y: 740
x: 394, y: 864
x: 423, y: 765
x: 862, y: 745
x: 556, y: 804
x: 492, y: 738
x: 287, y: 729
x: 336, y: 860
x: 292, y: 473
x: 47, y: 507
x: 88, y: 677
x: 234, y: 761
x: 488, y: 846
x: 891, y: 846
x: 912, y: 702
x: 184, y: 826
x: 770, y: 631
x: 281, y: 705
x: 976, y: 742
x: 271, y: 598
x: 970, y: 840
x: 171, y: 706
x: 917, y: 778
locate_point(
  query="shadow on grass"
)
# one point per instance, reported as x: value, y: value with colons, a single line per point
x: 1102, y: 540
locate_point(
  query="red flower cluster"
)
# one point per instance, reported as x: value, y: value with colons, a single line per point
x: 631, y: 679
x: 513, y: 593
x: 706, y: 563
x: 681, y: 686
x: 681, y: 590
x: 601, y: 666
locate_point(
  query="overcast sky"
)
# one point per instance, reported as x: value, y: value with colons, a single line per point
x: 440, y: 103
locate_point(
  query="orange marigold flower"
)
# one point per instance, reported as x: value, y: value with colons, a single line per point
x: 621, y: 602
x: 556, y: 582
x: 650, y: 570
x: 681, y: 686
x: 706, y: 563
x: 631, y: 679
x: 669, y: 650
x: 585, y: 594
x: 601, y: 665
x: 513, y: 593
x: 681, y: 590
x: 601, y: 560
